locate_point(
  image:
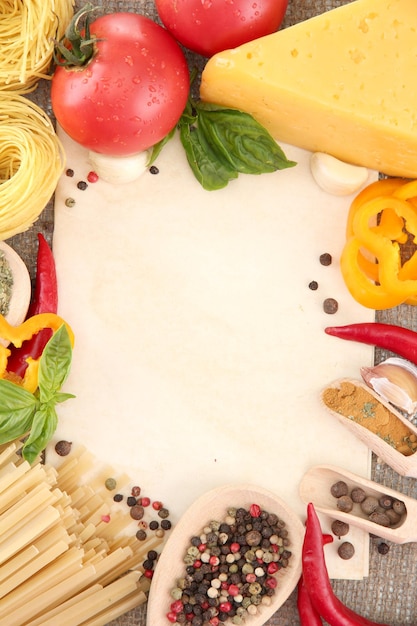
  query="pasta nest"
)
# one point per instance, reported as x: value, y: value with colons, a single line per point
x: 31, y: 162
x: 28, y: 29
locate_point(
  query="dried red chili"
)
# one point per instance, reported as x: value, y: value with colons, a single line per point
x: 316, y: 578
x: 45, y: 300
x: 401, y: 341
x: 306, y: 611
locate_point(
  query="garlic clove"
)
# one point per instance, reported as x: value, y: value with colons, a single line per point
x: 395, y: 380
x: 335, y: 176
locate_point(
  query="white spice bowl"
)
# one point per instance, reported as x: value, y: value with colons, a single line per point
x: 21, y: 290
x: 210, y: 506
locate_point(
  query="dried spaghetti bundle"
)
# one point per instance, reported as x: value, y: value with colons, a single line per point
x: 31, y: 162
x: 27, y: 32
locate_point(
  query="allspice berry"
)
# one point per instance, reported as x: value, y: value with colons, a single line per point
x: 345, y: 504
x: 339, y: 488
x: 339, y: 528
x: 369, y: 505
x: 62, y: 448
x: 358, y: 494
x: 346, y: 550
x: 380, y: 518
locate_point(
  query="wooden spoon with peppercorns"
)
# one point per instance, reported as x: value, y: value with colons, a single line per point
x: 223, y: 547
x: 360, y: 502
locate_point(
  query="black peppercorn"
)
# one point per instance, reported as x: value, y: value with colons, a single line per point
x: 82, y: 185
x: 330, y: 306
x: 153, y: 169
x: 383, y: 548
x: 313, y: 285
x: 325, y: 259
x: 118, y: 497
x: 131, y: 501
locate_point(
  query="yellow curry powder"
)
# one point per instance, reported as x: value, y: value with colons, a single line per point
x: 359, y: 405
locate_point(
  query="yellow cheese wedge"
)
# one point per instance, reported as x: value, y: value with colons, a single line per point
x: 344, y: 82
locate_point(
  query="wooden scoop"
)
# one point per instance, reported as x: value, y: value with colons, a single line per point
x: 403, y: 465
x: 315, y: 487
x: 213, y: 505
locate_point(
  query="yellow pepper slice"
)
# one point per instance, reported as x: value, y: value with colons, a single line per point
x: 380, y: 219
x: 25, y: 331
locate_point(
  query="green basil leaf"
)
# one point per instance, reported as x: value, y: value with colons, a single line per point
x: 55, y: 364
x: 60, y: 396
x: 17, y: 408
x: 240, y: 140
x: 157, y: 148
x: 209, y: 172
x: 44, y: 425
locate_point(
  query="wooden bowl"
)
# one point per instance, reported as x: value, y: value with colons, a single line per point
x: 213, y: 505
x: 22, y: 290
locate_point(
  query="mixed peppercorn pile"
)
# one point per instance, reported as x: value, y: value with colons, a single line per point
x: 230, y: 568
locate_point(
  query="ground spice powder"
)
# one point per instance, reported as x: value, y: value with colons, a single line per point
x: 356, y: 403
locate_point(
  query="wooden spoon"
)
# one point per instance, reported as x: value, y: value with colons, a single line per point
x: 404, y: 465
x: 315, y: 487
x: 21, y: 290
x: 213, y: 505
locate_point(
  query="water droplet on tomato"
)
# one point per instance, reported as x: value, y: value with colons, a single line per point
x: 136, y: 80
x: 129, y: 60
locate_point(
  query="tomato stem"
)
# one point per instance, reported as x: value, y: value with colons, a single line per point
x: 76, y: 47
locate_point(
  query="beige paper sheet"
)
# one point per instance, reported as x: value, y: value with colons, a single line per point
x: 200, y: 350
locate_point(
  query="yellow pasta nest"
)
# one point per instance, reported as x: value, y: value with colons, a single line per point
x: 31, y: 162
x: 28, y: 29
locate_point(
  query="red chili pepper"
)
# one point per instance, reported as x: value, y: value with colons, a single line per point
x: 45, y: 300
x: 316, y: 578
x: 402, y: 341
x: 306, y: 611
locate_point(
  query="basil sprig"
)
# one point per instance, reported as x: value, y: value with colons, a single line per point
x: 221, y: 143
x: 23, y: 412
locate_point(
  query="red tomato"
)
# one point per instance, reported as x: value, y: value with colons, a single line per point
x: 130, y: 94
x: 210, y: 26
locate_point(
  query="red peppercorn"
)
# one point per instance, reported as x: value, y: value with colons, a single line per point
x: 148, y: 573
x: 250, y: 578
x: 202, y: 547
x: 272, y: 567
x: 205, y: 605
x: 255, y: 510
x: 177, y: 606
x: 92, y: 177
x: 234, y: 547
x: 189, y: 616
x: 214, y: 560
x: 172, y: 617
x: 157, y: 505
x: 271, y: 583
x: 233, y: 590
x: 197, y: 564
x: 225, y: 607
x: 145, y: 501
x: 214, y: 621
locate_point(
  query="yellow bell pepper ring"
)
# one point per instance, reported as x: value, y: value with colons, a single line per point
x: 386, y: 251
x: 364, y: 289
x: 25, y: 331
